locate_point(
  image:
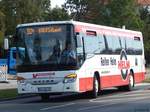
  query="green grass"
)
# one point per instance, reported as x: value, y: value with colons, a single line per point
x: 9, y: 93
x: 147, y: 80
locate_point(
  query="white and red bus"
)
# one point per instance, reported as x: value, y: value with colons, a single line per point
x: 99, y: 57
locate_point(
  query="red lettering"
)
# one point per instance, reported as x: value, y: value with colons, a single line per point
x: 123, y: 65
x: 42, y: 75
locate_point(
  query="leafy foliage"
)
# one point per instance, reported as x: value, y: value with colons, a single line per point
x: 2, y: 27
x: 57, y: 14
x: 23, y: 11
x: 145, y: 16
x: 114, y: 13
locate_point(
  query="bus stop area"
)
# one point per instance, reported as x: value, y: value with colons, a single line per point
x: 10, y: 84
x: 7, y: 81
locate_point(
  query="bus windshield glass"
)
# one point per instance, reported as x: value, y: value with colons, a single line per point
x: 46, y: 45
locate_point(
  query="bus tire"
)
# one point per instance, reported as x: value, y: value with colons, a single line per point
x: 95, y: 91
x: 130, y: 86
x: 44, y: 97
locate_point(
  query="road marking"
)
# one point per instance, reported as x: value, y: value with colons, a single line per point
x: 110, y: 104
x: 97, y: 106
x: 123, y: 96
x: 58, y: 106
x: 117, y: 100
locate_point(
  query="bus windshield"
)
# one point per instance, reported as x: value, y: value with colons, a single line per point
x: 46, y: 45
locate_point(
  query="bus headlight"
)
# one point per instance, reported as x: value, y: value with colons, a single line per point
x: 70, y: 78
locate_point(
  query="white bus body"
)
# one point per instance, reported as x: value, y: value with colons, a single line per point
x: 109, y: 55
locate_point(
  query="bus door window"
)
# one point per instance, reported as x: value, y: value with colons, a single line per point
x: 80, y: 49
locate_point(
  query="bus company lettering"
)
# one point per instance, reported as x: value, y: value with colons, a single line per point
x: 113, y: 61
x: 123, y: 64
x: 108, y: 61
x: 42, y: 75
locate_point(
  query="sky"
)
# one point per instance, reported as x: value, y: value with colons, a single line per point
x: 57, y: 2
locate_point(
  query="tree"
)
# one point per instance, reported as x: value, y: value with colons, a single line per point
x: 145, y: 16
x: 20, y: 11
x: 31, y: 10
x: 112, y: 13
x: 124, y: 12
x: 77, y: 8
x: 2, y: 28
x: 57, y: 14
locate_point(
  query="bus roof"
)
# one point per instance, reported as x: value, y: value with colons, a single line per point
x: 80, y: 24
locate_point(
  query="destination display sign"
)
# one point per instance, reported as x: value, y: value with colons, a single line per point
x: 49, y: 29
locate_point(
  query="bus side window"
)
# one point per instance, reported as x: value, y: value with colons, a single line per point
x: 91, y: 44
x: 109, y: 44
x: 102, y: 45
x: 117, y: 45
x: 123, y: 42
x: 129, y: 46
x: 137, y: 43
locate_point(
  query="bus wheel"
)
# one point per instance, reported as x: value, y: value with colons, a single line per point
x: 95, y: 90
x: 130, y: 86
x: 44, y: 97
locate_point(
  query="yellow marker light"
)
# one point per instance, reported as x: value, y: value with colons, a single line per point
x: 71, y: 76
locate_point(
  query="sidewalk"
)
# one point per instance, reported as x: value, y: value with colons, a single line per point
x: 12, y: 84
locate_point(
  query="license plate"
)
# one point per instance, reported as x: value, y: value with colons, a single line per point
x: 44, y: 89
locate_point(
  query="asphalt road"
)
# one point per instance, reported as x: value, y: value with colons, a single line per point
x: 111, y: 100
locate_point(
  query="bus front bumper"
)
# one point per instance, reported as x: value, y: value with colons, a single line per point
x: 47, y: 88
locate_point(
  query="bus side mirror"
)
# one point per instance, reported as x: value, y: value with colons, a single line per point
x: 6, y: 44
x: 79, y: 41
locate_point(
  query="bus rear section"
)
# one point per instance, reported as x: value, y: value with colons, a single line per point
x: 114, y: 56
x: 69, y: 56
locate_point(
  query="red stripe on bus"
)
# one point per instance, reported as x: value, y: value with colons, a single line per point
x: 108, y: 31
x: 86, y: 84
